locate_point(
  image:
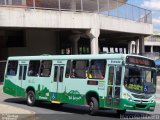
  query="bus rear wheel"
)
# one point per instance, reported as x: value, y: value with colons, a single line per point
x: 93, y: 106
x: 30, y: 98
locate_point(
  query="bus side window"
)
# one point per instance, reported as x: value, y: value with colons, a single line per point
x: 61, y: 74
x: 12, y: 68
x: 79, y: 68
x: 45, y: 69
x: 34, y: 68
x: 118, y: 75
x: 97, y: 69
x: 68, y: 67
x: 55, y: 73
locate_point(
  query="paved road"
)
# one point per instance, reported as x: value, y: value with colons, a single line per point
x: 48, y: 111
x: 67, y: 112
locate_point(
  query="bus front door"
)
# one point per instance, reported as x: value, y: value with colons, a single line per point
x: 114, y: 86
x: 58, y: 82
x: 20, y: 90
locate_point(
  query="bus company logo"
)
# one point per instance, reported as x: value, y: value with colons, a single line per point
x: 115, y: 61
x: 128, y: 106
x: 74, y: 95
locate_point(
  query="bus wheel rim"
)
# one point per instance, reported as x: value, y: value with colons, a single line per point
x: 30, y: 98
x: 91, y: 105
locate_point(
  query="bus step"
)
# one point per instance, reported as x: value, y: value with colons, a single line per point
x: 56, y: 102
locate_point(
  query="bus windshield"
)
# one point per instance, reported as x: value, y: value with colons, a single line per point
x: 140, y: 79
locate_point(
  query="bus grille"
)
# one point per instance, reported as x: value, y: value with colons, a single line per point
x: 140, y: 106
x: 144, y: 96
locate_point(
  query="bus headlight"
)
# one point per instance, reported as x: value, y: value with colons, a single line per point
x: 130, y: 99
x: 151, y: 108
x: 153, y: 99
x: 127, y: 96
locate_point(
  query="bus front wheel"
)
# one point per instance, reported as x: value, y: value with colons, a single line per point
x: 93, y: 106
x: 30, y: 98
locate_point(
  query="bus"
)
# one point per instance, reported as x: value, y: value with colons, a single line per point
x: 118, y: 82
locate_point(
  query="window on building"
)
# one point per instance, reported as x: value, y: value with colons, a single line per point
x: 156, y: 49
x: 15, y: 2
x: 45, y: 69
x: 97, y: 69
x: 34, y: 68
x: 83, y: 46
x: 79, y: 68
x: 147, y: 48
x: 68, y: 69
x: 12, y: 68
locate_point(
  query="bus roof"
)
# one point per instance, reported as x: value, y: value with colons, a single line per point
x: 66, y: 57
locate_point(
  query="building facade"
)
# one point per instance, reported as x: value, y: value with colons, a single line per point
x: 152, y: 46
x: 35, y: 27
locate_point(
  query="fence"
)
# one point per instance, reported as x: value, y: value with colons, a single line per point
x: 105, y: 7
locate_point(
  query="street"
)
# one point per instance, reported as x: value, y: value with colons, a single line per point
x: 47, y: 111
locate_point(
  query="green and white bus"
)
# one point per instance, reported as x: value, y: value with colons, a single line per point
x: 103, y: 81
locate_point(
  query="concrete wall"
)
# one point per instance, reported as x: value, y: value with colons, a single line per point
x: 32, y: 18
x: 151, y: 43
x: 37, y: 42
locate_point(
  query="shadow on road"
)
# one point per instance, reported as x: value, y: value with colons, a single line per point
x: 73, y: 109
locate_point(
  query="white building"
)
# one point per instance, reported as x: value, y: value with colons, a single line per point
x: 33, y: 27
x: 152, y: 46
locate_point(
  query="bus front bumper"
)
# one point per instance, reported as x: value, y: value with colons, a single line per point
x: 129, y: 105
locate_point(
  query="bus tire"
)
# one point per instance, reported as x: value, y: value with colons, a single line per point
x: 30, y: 98
x: 93, y: 106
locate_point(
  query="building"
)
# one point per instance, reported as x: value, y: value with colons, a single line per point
x: 152, y: 46
x: 34, y: 27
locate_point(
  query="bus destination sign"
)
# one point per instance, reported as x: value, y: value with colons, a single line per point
x: 140, y: 61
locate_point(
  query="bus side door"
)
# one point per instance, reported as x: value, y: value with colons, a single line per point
x: 114, y: 86
x: 21, y: 80
x: 58, y: 82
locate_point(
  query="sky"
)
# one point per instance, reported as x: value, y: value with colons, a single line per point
x: 154, y: 6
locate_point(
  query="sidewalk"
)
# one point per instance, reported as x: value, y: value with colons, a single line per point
x: 7, y: 109
x: 8, y: 112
